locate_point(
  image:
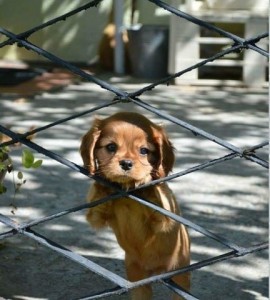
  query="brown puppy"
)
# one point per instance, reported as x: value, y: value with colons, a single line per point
x: 130, y: 150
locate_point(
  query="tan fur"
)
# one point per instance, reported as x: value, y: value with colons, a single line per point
x: 153, y: 243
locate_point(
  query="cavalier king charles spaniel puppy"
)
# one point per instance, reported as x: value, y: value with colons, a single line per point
x: 129, y: 150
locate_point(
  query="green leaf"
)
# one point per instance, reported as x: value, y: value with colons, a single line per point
x: 27, y: 158
x: 4, y: 149
x: 37, y: 164
x: 3, y: 189
x: 20, y: 175
x: 3, y: 167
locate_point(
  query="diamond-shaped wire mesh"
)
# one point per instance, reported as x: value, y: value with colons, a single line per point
x: 232, y: 152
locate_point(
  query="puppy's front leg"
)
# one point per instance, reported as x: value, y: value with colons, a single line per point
x: 98, y: 216
x: 136, y: 272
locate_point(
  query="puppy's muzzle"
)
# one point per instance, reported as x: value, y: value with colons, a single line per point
x: 126, y: 164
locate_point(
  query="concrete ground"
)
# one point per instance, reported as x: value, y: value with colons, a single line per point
x: 230, y: 199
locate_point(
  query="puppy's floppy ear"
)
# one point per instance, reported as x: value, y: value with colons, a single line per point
x: 166, y: 158
x: 88, y: 146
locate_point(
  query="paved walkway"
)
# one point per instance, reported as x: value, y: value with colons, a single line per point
x: 230, y: 199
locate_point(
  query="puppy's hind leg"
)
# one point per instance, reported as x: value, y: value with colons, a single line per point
x: 142, y: 293
x: 183, y: 281
x: 134, y: 273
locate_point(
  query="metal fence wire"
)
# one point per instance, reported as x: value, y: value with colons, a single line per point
x: 121, y: 284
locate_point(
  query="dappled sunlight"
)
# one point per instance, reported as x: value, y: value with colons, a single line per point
x: 58, y: 227
x: 229, y: 199
x: 47, y: 247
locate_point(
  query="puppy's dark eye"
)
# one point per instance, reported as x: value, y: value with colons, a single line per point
x: 111, y: 147
x: 144, y: 151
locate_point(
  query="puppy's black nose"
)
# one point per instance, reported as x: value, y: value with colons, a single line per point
x: 126, y: 164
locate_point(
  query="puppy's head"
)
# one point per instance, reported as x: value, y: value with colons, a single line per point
x: 128, y: 149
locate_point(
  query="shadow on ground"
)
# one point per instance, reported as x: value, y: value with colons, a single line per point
x: 229, y: 199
